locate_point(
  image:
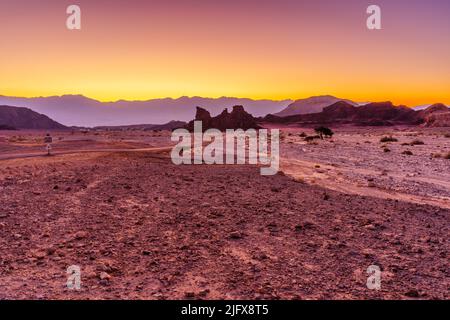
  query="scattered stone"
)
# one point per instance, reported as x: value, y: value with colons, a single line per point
x: 236, y: 235
x: 412, y: 293
x: 80, y: 235
x: 105, y: 276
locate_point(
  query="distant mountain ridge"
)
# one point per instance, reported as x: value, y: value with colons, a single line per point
x: 372, y: 114
x: 167, y: 126
x: 78, y: 110
x: 23, y: 118
x: 311, y: 105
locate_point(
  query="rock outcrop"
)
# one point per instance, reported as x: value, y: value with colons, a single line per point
x: 238, y: 118
x: 437, y: 115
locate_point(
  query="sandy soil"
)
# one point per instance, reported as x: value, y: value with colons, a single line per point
x: 140, y: 227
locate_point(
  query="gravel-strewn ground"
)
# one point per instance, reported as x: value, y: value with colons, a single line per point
x: 141, y: 228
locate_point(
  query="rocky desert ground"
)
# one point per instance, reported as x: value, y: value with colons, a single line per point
x: 140, y: 227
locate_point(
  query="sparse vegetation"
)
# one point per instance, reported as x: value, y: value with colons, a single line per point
x: 387, y: 150
x: 407, y: 153
x: 447, y: 135
x: 310, y: 139
x: 324, y: 132
x: 447, y: 156
x: 388, y: 139
x: 417, y: 143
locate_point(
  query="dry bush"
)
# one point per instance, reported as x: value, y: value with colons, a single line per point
x: 388, y: 139
x: 417, y: 142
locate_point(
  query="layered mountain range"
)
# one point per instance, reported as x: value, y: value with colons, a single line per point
x: 371, y: 114
x: 325, y: 110
x: 78, y: 110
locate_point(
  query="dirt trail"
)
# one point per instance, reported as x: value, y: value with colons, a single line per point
x: 66, y: 152
x: 332, y: 177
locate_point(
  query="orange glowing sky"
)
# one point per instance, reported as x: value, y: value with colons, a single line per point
x: 137, y: 50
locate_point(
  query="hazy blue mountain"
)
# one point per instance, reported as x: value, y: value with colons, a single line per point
x: 77, y: 110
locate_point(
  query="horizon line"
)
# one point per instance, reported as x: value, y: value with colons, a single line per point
x: 213, y: 98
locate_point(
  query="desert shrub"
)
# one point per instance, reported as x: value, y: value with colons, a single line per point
x: 388, y: 139
x: 324, y: 132
x: 387, y: 150
x: 407, y: 153
x: 302, y: 135
x: 417, y: 142
x: 447, y: 156
x: 311, y: 138
x: 447, y: 135
x: 436, y: 155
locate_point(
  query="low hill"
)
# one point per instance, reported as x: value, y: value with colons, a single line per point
x: 372, y: 114
x: 437, y: 115
x: 311, y: 105
x: 24, y: 118
x: 172, y: 125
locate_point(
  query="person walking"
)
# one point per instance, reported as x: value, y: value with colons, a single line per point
x: 48, y: 141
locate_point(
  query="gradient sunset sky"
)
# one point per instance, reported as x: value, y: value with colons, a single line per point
x: 143, y: 49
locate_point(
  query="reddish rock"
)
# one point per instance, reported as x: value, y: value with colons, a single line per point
x: 237, y: 119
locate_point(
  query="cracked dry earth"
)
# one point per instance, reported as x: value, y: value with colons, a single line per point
x: 140, y: 227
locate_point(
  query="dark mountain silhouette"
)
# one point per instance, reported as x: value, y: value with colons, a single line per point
x: 311, y: 105
x: 23, y: 118
x: 77, y: 110
x: 237, y: 119
x: 372, y: 114
x: 6, y: 127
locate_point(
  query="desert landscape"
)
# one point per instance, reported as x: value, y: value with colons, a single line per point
x: 140, y: 227
x: 225, y: 159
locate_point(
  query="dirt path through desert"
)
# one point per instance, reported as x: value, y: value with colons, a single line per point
x: 333, y: 178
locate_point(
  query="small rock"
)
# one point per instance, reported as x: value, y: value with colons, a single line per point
x: 80, y: 235
x: 412, y: 293
x: 104, y: 276
x: 235, y: 235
